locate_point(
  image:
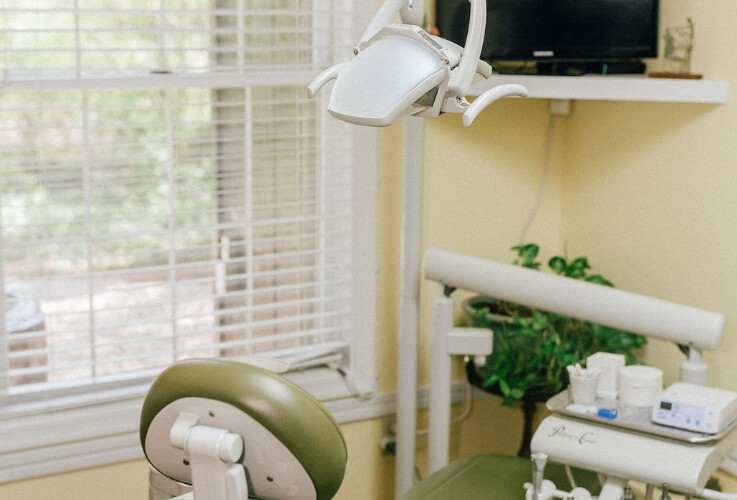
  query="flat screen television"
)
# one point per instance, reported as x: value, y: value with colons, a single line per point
x: 586, y: 33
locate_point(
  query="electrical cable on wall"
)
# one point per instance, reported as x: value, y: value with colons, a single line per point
x: 467, y: 410
x: 543, y: 180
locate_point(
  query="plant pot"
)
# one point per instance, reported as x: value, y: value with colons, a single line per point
x: 473, y: 304
x: 476, y: 375
x: 500, y: 323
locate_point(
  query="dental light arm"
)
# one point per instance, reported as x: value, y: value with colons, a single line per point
x: 401, y: 70
x: 384, y: 16
x: 413, y: 12
x: 461, y: 78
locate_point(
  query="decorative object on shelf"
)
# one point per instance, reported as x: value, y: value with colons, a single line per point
x: 678, y: 47
x: 677, y: 52
x: 532, y: 348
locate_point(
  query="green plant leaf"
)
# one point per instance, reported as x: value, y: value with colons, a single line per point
x: 599, y: 280
x: 527, y: 331
x: 490, y: 380
x: 527, y: 255
x: 517, y: 393
x: 539, y: 321
x: 558, y: 264
x: 599, y: 332
x: 547, y: 349
x: 532, y: 350
x: 577, y: 268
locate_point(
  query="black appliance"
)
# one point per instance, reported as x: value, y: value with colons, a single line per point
x: 601, y: 36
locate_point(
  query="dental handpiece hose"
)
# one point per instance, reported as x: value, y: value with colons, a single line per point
x: 717, y: 495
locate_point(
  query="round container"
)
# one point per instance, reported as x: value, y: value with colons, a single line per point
x: 639, y: 385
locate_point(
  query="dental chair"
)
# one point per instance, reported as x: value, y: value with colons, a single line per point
x: 235, y: 431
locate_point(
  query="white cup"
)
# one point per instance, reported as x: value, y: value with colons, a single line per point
x: 609, y: 364
x: 583, y: 384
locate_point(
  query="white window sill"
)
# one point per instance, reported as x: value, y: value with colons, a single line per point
x: 63, y: 444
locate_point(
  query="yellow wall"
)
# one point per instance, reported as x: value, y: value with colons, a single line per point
x: 128, y: 481
x: 651, y: 190
x: 647, y: 191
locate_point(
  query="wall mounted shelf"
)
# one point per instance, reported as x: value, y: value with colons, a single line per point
x: 614, y: 88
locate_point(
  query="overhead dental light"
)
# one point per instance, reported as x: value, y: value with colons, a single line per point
x: 400, y: 70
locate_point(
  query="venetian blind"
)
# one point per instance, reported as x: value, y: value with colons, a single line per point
x: 168, y: 191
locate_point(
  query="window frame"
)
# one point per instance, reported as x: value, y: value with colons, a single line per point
x: 40, y: 439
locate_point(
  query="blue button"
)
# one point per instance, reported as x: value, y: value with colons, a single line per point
x: 608, y: 413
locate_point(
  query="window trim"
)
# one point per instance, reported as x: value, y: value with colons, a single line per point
x: 48, y: 442
x: 45, y: 442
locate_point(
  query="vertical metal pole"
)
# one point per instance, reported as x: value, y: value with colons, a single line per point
x: 438, y: 444
x: 409, y: 311
x: 410, y: 272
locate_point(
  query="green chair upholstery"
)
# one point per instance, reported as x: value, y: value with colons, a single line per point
x: 497, y: 477
x: 282, y: 408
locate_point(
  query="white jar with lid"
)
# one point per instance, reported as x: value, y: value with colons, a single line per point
x: 639, y: 385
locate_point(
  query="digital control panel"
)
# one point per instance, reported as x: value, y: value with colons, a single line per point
x: 695, y: 408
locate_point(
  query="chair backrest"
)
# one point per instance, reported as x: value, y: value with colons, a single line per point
x: 292, y: 444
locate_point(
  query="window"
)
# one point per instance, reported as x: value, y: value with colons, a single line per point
x: 168, y: 191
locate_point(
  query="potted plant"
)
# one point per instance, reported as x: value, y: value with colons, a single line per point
x: 532, y: 348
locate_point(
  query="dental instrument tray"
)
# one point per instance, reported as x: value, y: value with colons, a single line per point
x: 635, y: 419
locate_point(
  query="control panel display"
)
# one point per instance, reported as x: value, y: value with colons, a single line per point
x: 695, y: 408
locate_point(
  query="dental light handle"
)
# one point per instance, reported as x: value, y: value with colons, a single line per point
x: 488, y: 97
x: 329, y: 74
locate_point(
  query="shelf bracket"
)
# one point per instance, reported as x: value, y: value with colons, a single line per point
x: 560, y: 107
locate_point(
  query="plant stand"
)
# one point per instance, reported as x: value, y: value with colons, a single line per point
x: 529, y: 408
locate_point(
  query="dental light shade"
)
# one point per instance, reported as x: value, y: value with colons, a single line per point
x: 599, y: 304
x: 401, y: 70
